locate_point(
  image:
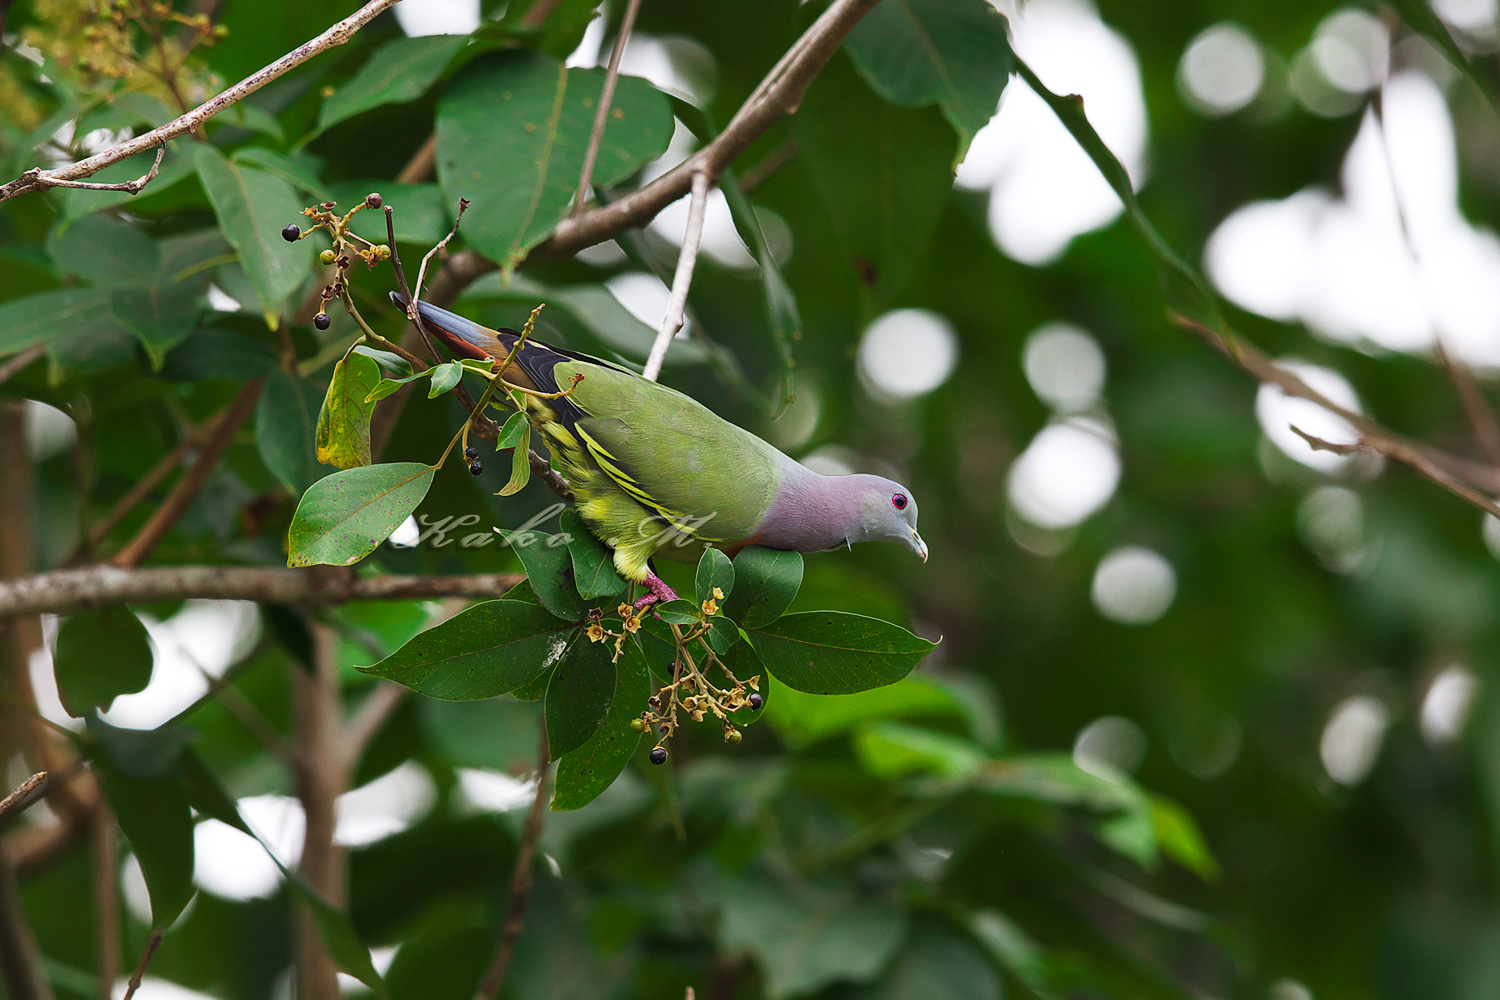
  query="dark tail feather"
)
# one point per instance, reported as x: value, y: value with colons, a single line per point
x: 464, y: 337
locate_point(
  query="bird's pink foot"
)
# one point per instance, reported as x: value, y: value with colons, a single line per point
x: 657, y: 591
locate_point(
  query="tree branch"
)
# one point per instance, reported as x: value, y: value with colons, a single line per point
x: 20, y: 961
x: 69, y: 590
x: 671, y: 321
x: 22, y: 796
x: 38, y: 179
x: 1407, y: 455
x: 20, y: 361
x: 106, y: 874
x: 606, y: 98
x: 321, y: 777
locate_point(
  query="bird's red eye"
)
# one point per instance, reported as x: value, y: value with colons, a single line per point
x: 899, y: 501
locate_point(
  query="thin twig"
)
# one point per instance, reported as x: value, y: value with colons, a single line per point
x: 152, y: 943
x: 769, y: 164
x: 463, y: 205
x: 20, y: 959
x: 606, y: 98
x: 1481, y: 417
x: 1407, y: 455
x: 130, y: 187
x: 420, y: 165
x: 369, y: 719
x: 21, y: 797
x: 520, y: 879
x: 671, y: 321
x: 38, y: 179
x: 321, y: 778
x: 68, y: 590
x: 20, y: 361
x: 192, y: 483
x: 106, y: 838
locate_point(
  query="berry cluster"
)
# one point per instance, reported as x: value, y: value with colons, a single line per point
x: 345, y: 248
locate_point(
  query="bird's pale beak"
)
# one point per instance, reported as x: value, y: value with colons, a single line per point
x: 917, y: 545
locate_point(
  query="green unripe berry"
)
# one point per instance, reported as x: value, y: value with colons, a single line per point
x: 328, y: 256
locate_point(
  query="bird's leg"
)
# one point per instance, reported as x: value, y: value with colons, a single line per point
x: 657, y: 590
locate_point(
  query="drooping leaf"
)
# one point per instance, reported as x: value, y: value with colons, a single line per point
x: 765, y: 582
x: 677, y: 612
x: 344, y: 946
x: 587, y: 771
x: 386, y: 386
x: 714, y: 570
x: 894, y: 750
x: 343, y: 517
x: 101, y: 655
x: 157, y: 819
x: 490, y: 649
x: 549, y: 570
x: 512, y: 431
x: 343, y: 436
x: 783, y: 317
x: 147, y: 754
x: 512, y: 129
x: 253, y: 206
x: 593, y: 567
x: 833, y: 652
x: 401, y: 70
x: 1178, y: 836
x: 444, y: 377
x: 520, y: 463
x: 954, y: 53
x: 286, y: 426
x: 580, y: 694
x: 45, y: 318
x: 882, y: 172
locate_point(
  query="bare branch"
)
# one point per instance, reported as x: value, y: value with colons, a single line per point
x: 520, y: 880
x: 367, y: 721
x: 772, y: 162
x: 1481, y: 417
x: 130, y: 187
x: 106, y: 875
x: 39, y: 180
x: 606, y: 98
x: 1409, y: 456
x: 321, y: 778
x: 21, y: 797
x: 20, y: 361
x: 152, y: 943
x: 69, y: 590
x: 419, y: 167
x: 671, y: 322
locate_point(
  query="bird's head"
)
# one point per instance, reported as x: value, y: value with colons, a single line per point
x: 887, y: 513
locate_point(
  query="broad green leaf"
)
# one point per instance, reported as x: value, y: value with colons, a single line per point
x: 286, y: 425
x: 561, y: 31
x: 895, y: 750
x: 593, y: 566
x: 882, y: 172
x: 549, y: 570
x: 714, y: 570
x: 805, y: 718
x: 388, y: 362
x: 833, y: 652
x: 954, y: 53
x: 49, y: 317
x: 157, y: 819
x: 765, y: 582
x: 490, y: 649
x: 107, y: 251
x: 513, y: 432
x: 343, y: 435
x: 580, y: 694
x: 344, y: 946
x: 146, y: 754
x: 101, y: 655
x: 253, y: 207
x: 677, y: 612
x: 1053, y: 777
x: 722, y: 634
x: 512, y: 129
x: 296, y: 171
x: 937, y: 962
x: 520, y: 463
x: 585, y: 772
x: 807, y: 937
x: 386, y: 386
x: 343, y: 517
x: 418, y: 211
x: 160, y: 316
x: 399, y: 71
x: 206, y: 793
x: 213, y: 352
x: 444, y: 377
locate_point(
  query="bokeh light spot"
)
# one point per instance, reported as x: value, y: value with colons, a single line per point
x: 1351, y: 740
x: 1068, y: 472
x: 1110, y: 743
x: 1222, y: 69
x: 1133, y: 586
x: 1065, y: 366
x: 907, y: 353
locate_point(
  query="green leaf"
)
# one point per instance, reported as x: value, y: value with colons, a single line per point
x: 514, y: 431
x: 804, y: 937
x: 721, y: 635
x: 386, y: 386
x: 584, y: 773
x: 161, y: 317
x: 253, y: 207
x: 101, y: 655
x: 1420, y: 17
x: 895, y: 750
x: 783, y: 317
x: 343, y: 517
x: 388, y: 362
x: 444, y: 377
x: 833, y: 652
x: 343, y: 943
x: 146, y: 754
x: 954, y: 53
x: 490, y: 649
x: 806, y: 718
x: 512, y: 129
x: 714, y: 570
x: 107, y: 251
x: 593, y: 567
x: 1179, y: 838
x: 765, y: 582
x: 212, y: 352
x: 418, y: 211
x: 562, y: 29
x: 549, y: 570
x: 677, y: 612
x: 935, y: 963
x: 296, y: 171
x: 157, y: 819
x: 882, y: 172
x: 520, y: 464
x: 44, y: 318
x: 286, y: 425
x: 399, y: 71
x: 343, y: 436
x: 580, y: 694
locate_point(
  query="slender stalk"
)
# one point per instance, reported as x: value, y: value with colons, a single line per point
x: 320, y: 780
x: 106, y: 842
x: 606, y: 98
x: 671, y: 322
x: 21, y: 797
x: 152, y: 943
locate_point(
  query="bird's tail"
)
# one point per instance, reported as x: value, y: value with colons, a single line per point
x: 464, y: 337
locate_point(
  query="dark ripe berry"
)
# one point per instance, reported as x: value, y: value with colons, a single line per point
x: 321, y: 321
x: 755, y: 701
x: 658, y: 755
x: 471, y: 453
x: 291, y: 234
x: 475, y: 468
x: 373, y: 200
